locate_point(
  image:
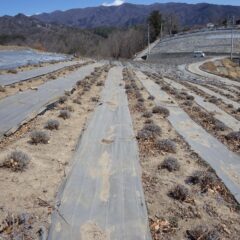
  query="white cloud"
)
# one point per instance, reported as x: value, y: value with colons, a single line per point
x: 114, y: 3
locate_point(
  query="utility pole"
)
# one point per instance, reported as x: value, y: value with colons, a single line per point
x: 233, y: 22
x: 148, y: 40
x: 161, y: 31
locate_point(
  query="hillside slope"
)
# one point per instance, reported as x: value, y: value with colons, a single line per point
x: 23, y: 30
x: 132, y: 14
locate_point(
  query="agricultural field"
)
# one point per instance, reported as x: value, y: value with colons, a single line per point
x: 120, y: 150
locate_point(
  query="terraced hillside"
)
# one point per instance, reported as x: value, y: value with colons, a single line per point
x: 210, y: 42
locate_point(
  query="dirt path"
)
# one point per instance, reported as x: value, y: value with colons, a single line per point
x: 224, y: 162
x: 195, y: 68
x: 103, y: 197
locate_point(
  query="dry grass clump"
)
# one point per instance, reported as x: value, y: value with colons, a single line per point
x: 52, y: 125
x: 149, y: 131
x: 65, y: 114
x: 147, y: 114
x: 202, y: 232
x: 204, y: 179
x: 171, y: 164
x: 179, y: 193
x: 161, y: 110
x: 151, y: 97
x: 166, y: 145
x: 39, y: 137
x: 2, y: 89
x: 16, y: 161
x: 62, y: 99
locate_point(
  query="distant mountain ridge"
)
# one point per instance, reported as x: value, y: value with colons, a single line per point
x: 133, y: 14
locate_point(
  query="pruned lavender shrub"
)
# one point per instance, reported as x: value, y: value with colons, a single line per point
x: 140, y: 99
x: 219, y: 126
x: 100, y: 83
x: 2, y: 89
x: 147, y: 114
x: 65, y: 114
x: 39, y: 137
x: 233, y: 136
x: 62, y: 99
x: 188, y: 103
x: 16, y: 161
x: 140, y: 107
x: 166, y: 145
x: 179, y: 193
x: 166, y: 88
x: 190, y: 97
x: 213, y: 99
x: 138, y: 94
x: 68, y: 108
x: 77, y: 101
x: 52, y: 124
x: 148, y: 121
x: 12, y: 71
x: 203, y: 232
x: 161, y: 110
x: 128, y: 86
x: 203, y: 178
x: 94, y: 99
x: 171, y: 164
x: 151, y: 97
x: 149, y: 131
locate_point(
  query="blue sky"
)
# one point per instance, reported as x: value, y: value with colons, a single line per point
x: 29, y: 7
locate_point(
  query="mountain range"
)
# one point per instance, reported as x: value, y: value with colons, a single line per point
x: 132, y: 14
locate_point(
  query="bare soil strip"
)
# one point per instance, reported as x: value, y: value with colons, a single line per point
x: 209, y: 207
x: 103, y: 197
x: 28, y: 197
